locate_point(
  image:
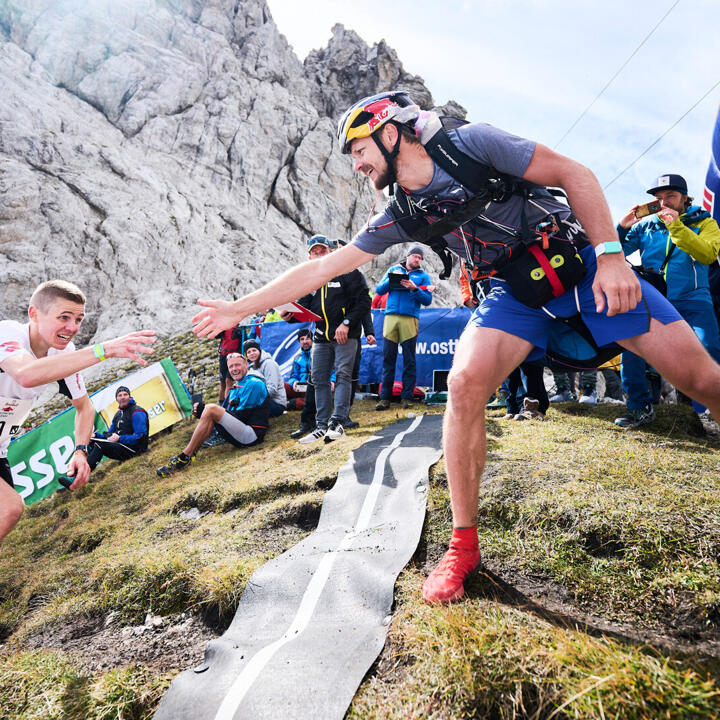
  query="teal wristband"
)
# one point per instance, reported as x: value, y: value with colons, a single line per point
x: 611, y: 248
x: 99, y: 351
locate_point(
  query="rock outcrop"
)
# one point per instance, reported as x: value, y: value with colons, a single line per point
x: 157, y: 151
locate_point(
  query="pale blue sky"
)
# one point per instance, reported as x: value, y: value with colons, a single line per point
x: 531, y: 67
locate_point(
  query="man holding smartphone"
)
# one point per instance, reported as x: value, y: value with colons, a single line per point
x: 679, y: 244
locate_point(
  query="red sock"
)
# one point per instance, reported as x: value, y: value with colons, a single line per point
x: 465, y: 538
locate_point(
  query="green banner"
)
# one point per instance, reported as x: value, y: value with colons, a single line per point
x: 40, y: 456
x: 178, y: 386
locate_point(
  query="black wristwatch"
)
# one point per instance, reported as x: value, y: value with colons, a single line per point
x: 84, y: 448
x: 346, y: 322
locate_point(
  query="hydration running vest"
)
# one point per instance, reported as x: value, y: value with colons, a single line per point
x: 537, y: 256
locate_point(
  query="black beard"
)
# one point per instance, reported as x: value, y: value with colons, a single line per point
x: 382, y: 179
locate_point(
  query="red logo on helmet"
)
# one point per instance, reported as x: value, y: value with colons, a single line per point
x: 380, y: 111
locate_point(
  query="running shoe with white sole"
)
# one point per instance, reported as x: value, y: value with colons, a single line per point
x: 317, y: 434
x: 334, y: 432
x: 635, y: 418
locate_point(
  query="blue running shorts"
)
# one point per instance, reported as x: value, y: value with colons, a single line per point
x: 501, y: 311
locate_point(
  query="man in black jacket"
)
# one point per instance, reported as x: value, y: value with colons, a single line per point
x: 127, y: 435
x: 341, y: 304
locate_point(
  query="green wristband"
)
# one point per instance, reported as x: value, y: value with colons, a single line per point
x: 99, y: 351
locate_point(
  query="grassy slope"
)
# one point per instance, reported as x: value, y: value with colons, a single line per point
x: 580, y: 516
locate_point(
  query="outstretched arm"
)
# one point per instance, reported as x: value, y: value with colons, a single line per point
x: 292, y: 284
x: 615, y: 283
x: 31, y: 372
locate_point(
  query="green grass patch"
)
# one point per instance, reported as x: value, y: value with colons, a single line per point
x: 624, y: 525
x: 477, y: 659
x: 49, y: 686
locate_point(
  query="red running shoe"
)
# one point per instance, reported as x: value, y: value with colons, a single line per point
x: 445, y: 583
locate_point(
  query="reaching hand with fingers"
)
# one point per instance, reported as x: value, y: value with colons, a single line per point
x: 218, y: 315
x: 132, y: 346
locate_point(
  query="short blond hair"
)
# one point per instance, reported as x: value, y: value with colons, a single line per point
x: 46, y: 293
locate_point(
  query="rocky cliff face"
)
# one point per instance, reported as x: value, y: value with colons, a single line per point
x: 156, y: 151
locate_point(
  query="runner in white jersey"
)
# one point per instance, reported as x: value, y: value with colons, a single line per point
x: 38, y: 353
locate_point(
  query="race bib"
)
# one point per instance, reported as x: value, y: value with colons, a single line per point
x: 13, y: 413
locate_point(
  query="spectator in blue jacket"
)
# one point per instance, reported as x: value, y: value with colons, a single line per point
x: 242, y: 419
x: 408, y: 287
x: 679, y: 244
x: 127, y: 435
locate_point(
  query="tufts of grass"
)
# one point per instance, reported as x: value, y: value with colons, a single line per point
x: 624, y: 525
x: 48, y: 686
x: 635, y: 537
x: 161, y: 586
x: 477, y: 659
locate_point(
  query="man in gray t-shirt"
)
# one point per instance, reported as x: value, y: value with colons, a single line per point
x: 387, y: 136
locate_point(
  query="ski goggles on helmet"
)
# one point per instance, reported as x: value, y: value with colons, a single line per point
x: 371, y: 113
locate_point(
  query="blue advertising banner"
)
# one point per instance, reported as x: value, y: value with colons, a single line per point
x: 439, y: 331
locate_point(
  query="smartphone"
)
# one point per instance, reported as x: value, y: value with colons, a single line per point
x: 647, y: 209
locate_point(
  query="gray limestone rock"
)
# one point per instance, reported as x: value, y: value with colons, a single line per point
x: 157, y: 151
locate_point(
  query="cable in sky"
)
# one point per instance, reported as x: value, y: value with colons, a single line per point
x: 654, y: 143
x: 622, y: 67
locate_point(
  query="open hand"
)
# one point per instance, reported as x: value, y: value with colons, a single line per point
x: 218, y: 315
x: 132, y: 346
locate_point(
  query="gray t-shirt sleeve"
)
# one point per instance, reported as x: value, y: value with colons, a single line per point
x: 381, y: 233
x: 506, y: 152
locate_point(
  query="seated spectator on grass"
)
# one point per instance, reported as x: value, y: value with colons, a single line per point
x: 242, y: 419
x: 230, y: 341
x: 298, y: 384
x: 127, y: 435
x: 263, y: 365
